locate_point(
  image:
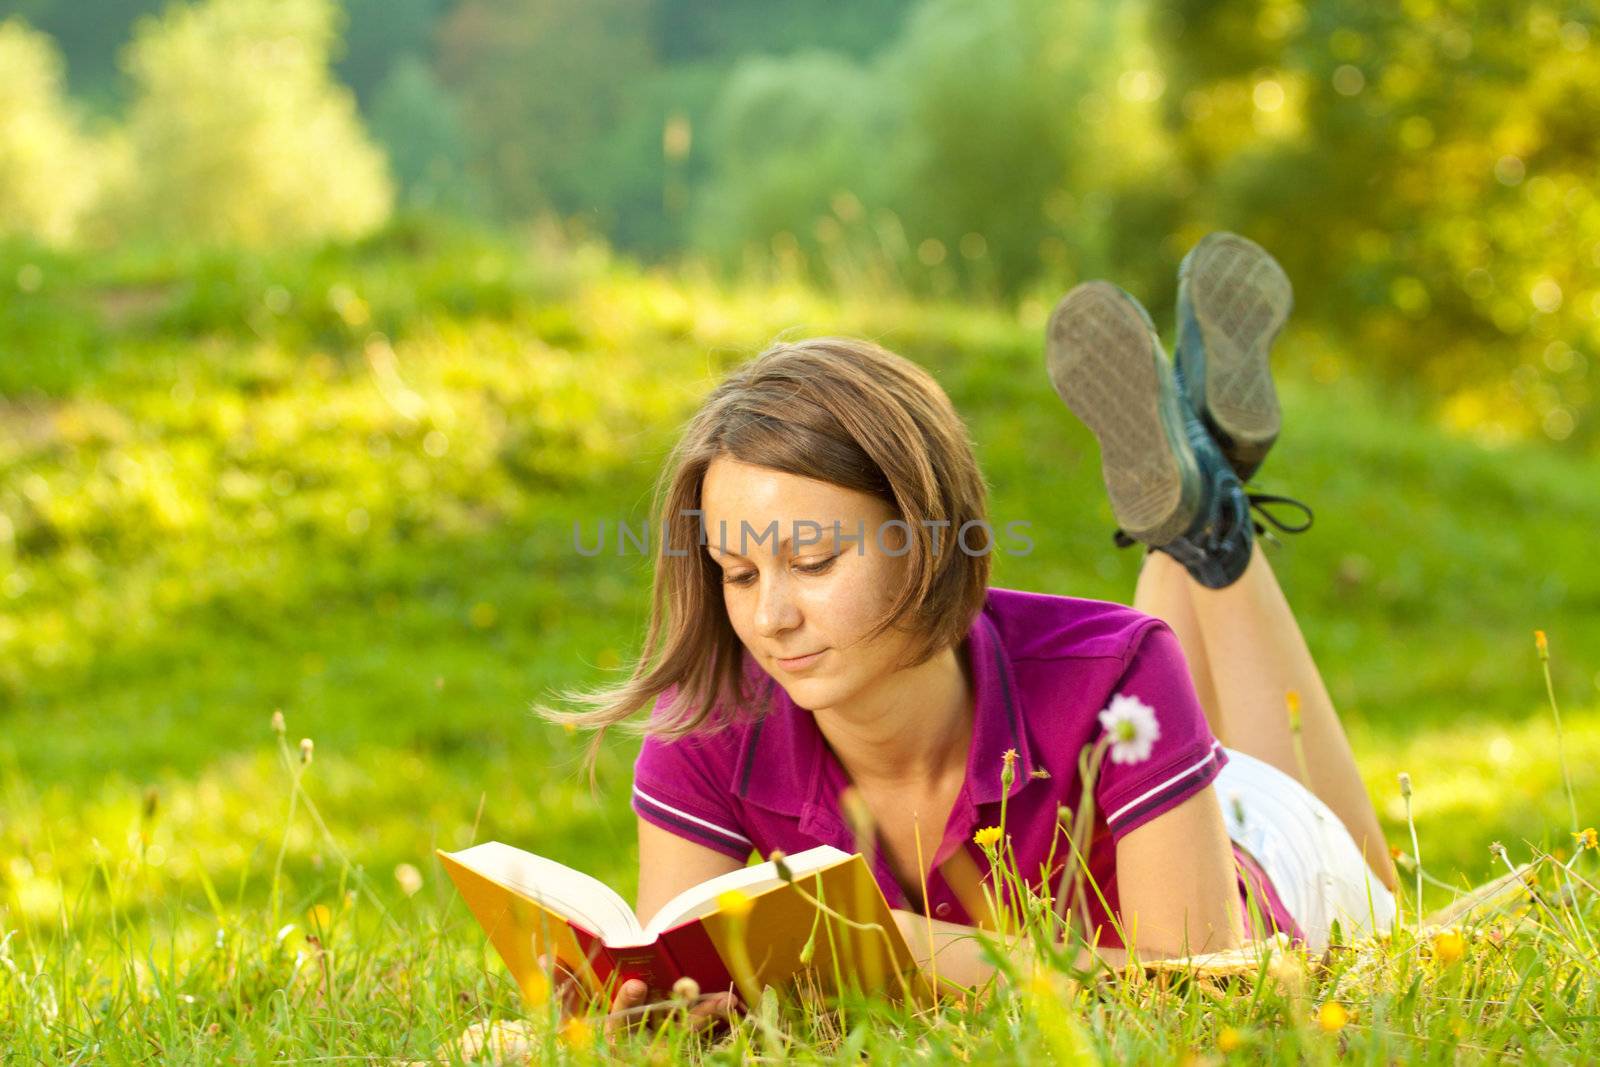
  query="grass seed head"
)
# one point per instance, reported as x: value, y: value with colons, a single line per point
x: 409, y: 879
x: 777, y: 858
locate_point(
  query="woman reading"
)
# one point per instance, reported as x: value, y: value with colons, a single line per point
x: 823, y: 636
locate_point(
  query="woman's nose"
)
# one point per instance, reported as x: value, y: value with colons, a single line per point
x: 776, y: 609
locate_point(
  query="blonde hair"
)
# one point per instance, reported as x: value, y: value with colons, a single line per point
x: 838, y: 410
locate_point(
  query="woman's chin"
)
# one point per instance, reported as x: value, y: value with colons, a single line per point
x: 810, y: 693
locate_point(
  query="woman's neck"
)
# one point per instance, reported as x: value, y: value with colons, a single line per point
x: 913, y: 727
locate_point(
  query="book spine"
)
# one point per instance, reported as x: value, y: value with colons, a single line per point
x: 649, y: 963
x: 693, y: 953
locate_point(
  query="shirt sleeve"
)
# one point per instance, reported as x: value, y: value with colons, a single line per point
x: 682, y: 786
x: 1161, y: 749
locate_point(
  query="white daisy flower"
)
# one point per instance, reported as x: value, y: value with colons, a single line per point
x: 1132, y: 727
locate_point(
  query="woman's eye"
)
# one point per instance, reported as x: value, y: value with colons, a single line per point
x: 815, y: 568
x: 738, y: 579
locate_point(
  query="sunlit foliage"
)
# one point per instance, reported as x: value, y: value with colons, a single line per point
x: 47, y: 179
x: 237, y: 133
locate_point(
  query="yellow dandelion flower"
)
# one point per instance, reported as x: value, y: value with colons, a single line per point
x: 576, y: 1033
x: 1587, y: 838
x: 1448, y: 947
x: 1229, y: 1040
x: 1292, y: 700
x: 987, y: 837
x: 1332, y: 1016
x: 734, y: 903
x: 1542, y: 643
x: 1010, y: 757
x: 319, y: 917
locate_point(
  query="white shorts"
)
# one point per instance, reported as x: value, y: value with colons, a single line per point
x: 1313, y: 862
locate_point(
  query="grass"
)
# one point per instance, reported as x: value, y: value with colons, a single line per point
x: 342, y: 484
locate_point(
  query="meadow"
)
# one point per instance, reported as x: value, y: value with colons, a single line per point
x: 342, y: 485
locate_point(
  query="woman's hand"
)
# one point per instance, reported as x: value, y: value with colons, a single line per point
x: 629, y: 1007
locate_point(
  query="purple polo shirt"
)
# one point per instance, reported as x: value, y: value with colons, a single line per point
x: 1043, y: 668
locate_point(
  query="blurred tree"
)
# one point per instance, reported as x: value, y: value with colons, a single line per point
x: 726, y: 30
x: 789, y: 135
x: 1426, y: 173
x: 541, y: 83
x: 1017, y: 133
x: 237, y: 133
x: 381, y: 35
x: 47, y: 173
x: 89, y: 36
x: 988, y: 145
x: 419, y: 123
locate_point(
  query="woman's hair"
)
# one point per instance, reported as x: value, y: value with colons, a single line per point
x: 838, y: 410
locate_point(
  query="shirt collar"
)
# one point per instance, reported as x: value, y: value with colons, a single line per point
x: 781, y: 762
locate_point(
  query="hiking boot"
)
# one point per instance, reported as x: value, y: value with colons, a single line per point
x: 1170, y: 487
x: 1233, y: 299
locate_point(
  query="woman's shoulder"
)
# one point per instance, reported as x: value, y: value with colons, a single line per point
x: 1046, y: 626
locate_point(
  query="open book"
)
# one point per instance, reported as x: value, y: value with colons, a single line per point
x: 530, y: 906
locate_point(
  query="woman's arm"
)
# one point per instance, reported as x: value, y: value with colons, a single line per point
x: 669, y: 864
x: 1177, y: 887
x: 1177, y: 895
x: 955, y: 953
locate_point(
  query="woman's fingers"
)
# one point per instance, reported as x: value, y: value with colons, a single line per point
x: 624, y: 1007
x: 712, y: 1009
x: 630, y: 1006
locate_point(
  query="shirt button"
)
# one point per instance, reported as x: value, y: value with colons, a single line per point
x: 942, y: 910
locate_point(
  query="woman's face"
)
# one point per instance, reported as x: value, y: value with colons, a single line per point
x: 804, y: 609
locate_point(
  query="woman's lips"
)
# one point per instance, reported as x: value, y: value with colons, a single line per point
x: 800, y: 663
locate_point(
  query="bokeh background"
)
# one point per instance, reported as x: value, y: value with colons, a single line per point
x: 321, y: 324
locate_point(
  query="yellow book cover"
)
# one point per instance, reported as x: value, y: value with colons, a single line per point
x: 532, y: 906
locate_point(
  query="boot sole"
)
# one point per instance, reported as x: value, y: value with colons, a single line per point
x: 1106, y: 364
x: 1239, y: 298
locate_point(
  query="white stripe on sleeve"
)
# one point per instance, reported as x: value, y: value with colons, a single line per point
x: 1153, y: 790
x: 724, y: 831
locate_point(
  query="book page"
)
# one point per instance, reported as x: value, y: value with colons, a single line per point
x: 569, y: 893
x: 701, y: 899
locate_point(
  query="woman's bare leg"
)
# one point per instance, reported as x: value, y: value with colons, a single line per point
x: 1258, y: 654
x: 1255, y: 653
x: 1163, y: 591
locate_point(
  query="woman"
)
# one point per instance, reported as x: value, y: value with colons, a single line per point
x: 823, y: 637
